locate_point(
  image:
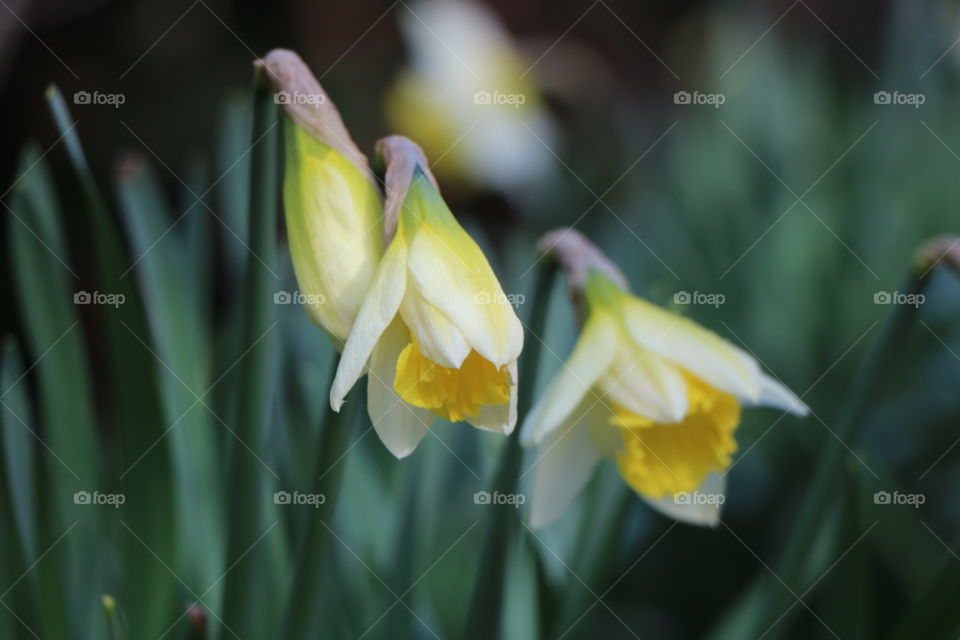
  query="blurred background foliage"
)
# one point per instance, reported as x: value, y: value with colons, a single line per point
x: 798, y: 199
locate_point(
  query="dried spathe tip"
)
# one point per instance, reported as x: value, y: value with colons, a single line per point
x: 578, y: 256
x: 299, y: 93
x: 940, y: 250
x: 400, y: 156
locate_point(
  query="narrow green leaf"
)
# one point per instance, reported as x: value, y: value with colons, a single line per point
x: 18, y: 508
x: 246, y: 609
x: 134, y: 411
x: 71, y: 532
x: 177, y: 343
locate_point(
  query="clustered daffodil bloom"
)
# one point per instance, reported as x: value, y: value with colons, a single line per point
x: 426, y: 317
x: 332, y: 204
x: 653, y: 390
x: 435, y: 332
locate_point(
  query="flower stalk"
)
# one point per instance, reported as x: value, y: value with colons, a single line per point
x: 314, y: 575
x: 483, y: 621
x: 881, y: 358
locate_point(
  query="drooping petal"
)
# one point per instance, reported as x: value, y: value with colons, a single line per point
x: 449, y: 270
x: 646, y: 384
x: 566, y: 459
x: 698, y: 350
x: 499, y: 418
x: 375, y: 315
x: 438, y: 338
x: 592, y: 355
x: 701, y: 507
x: 774, y: 394
x: 400, y: 426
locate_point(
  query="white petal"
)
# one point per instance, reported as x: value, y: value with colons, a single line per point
x: 566, y: 459
x: 377, y: 311
x: 696, y: 349
x: 591, y: 357
x: 400, y: 426
x: 500, y: 418
x: 646, y: 384
x: 774, y: 394
x: 703, y: 506
x: 438, y: 338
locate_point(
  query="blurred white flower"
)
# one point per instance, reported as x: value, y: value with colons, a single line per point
x: 467, y: 98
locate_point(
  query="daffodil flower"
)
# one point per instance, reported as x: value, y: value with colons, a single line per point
x: 332, y: 203
x: 656, y: 392
x: 467, y: 97
x: 435, y: 332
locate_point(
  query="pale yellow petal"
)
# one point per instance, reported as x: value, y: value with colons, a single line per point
x: 566, y: 458
x: 377, y: 312
x: 696, y: 349
x: 399, y: 425
x: 591, y: 357
x: 438, y: 338
x: 449, y: 270
x: 774, y: 394
x: 646, y: 384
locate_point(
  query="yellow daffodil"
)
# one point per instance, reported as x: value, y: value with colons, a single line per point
x: 333, y: 207
x: 435, y: 332
x: 653, y: 390
x: 468, y: 99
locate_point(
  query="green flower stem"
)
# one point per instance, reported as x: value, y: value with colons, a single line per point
x: 244, y: 609
x: 597, y: 541
x: 315, y: 576
x: 827, y: 477
x: 483, y: 621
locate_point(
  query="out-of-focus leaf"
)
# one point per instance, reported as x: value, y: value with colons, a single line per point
x: 144, y: 526
x: 18, y: 508
x: 71, y: 531
x: 245, y: 608
x: 19, y: 443
x: 178, y: 340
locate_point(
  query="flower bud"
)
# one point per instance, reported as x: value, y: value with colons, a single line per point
x: 332, y: 204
